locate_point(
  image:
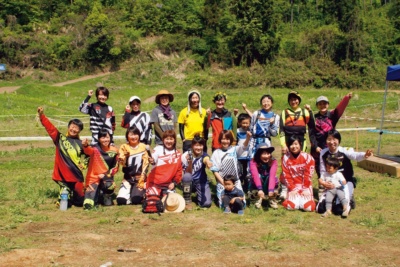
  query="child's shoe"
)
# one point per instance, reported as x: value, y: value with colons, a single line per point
x: 241, y: 212
x: 327, y: 213
x: 346, y: 210
x: 227, y: 211
x: 273, y: 204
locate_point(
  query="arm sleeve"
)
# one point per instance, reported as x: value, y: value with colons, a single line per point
x: 311, y: 128
x: 112, y: 120
x: 216, y: 162
x: 339, y: 110
x: 50, y: 128
x: 272, y: 176
x: 282, y: 137
x: 182, y: 131
x: 178, y: 174
x: 274, y: 127
x: 125, y: 120
x: 309, y: 169
x: 286, y: 176
x: 85, y: 106
x: 88, y: 150
x: 255, y: 174
x: 157, y: 128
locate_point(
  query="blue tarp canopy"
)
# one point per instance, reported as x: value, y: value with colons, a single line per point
x: 393, y: 73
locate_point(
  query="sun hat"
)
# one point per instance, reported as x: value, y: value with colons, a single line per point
x: 294, y: 94
x: 265, y: 147
x: 134, y: 98
x: 164, y: 92
x: 322, y: 98
x: 173, y: 202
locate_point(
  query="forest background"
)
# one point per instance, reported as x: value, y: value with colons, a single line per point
x: 318, y: 43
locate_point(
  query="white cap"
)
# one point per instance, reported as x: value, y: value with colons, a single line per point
x: 134, y: 98
x: 322, y: 98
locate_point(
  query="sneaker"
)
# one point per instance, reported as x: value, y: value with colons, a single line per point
x: 227, y: 211
x: 327, y: 213
x: 258, y: 203
x: 346, y: 211
x: 273, y: 204
x: 240, y: 212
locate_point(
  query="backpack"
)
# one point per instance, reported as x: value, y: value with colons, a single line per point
x: 152, y: 202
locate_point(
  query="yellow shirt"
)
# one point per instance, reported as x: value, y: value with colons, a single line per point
x: 193, y: 122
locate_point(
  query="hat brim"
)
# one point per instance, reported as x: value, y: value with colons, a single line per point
x: 181, y: 206
x: 170, y: 97
x: 267, y: 149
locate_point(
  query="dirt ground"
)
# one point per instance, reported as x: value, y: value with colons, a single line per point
x: 196, y: 238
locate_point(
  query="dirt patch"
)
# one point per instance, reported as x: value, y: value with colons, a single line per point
x: 151, y: 99
x: 8, y: 89
x: 84, y: 78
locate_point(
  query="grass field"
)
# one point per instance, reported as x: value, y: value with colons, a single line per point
x: 33, y: 232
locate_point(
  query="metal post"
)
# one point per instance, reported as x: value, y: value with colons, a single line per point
x: 383, y: 115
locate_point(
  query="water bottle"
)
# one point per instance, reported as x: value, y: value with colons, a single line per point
x: 64, y: 199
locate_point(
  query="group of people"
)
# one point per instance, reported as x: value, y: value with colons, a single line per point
x: 241, y: 160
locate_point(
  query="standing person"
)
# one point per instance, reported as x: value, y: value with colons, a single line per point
x: 326, y: 120
x: 337, y: 179
x: 103, y: 165
x: 264, y: 123
x: 345, y: 156
x: 195, y: 178
x: 167, y: 164
x: 264, y: 181
x: 101, y: 114
x: 141, y: 120
x: 192, y: 120
x: 244, y: 121
x: 232, y: 197
x: 294, y: 122
x: 68, y: 166
x: 297, y: 172
x: 135, y: 161
x: 163, y: 117
x: 220, y: 119
x: 225, y: 160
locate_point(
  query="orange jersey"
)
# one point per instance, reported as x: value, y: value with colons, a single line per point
x: 101, y: 162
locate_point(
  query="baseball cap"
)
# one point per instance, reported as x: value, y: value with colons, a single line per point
x: 134, y: 98
x: 322, y: 98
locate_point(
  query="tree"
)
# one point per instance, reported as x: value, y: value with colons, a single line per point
x: 252, y: 33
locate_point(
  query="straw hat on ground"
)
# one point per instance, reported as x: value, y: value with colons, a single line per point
x: 173, y: 203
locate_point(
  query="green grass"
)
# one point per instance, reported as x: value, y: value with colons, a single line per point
x: 27, y: 193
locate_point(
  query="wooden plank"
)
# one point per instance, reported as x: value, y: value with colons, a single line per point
x: 380, y: 165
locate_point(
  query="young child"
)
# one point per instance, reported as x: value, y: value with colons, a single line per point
x: 244, y: 121
x: 68, y: 165
x: 101, y: 114
x: 135, y: 161
x: 333, y: 176
x: 232, y: 197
